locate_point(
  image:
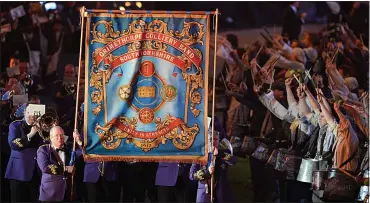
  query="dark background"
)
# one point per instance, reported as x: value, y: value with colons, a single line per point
x: 244, y: 14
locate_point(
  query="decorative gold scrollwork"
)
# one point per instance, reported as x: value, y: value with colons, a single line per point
x: 192, y: 33
x: 196, y: 82
x: 160, y: 27
x: 108, y: 36
x: 191, y: 38
x: 111, y: 139
x: 186, y: 138
x: 96, y: 81
x: 136, y: 26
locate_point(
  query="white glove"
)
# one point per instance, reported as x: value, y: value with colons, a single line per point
x: 211, y: 169
x: 32, y: 133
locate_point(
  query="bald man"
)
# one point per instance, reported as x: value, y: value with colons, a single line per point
x: 53, y: 160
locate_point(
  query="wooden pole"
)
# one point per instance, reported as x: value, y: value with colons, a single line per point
x: 213, y: 95
x: 82, y: 11
x: 150, y: 12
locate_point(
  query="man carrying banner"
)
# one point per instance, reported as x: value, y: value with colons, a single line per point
x: 222, y: 152
x: 53, y: 161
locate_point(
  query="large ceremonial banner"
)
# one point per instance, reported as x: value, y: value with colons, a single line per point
x: 146, y: 87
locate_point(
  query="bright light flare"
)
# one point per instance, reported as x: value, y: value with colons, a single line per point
x: 122, y: 8
x: 127, y: 4
x: 139, y: 4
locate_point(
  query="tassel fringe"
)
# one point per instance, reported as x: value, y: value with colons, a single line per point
x: 168, y: 159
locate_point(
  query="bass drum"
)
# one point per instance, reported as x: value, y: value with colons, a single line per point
x: 341, y: 186
x: 262, y: 153
x: 287, y: 162
x: 318, y: 179
x: 249, y: 145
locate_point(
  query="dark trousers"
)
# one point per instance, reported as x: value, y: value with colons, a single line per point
x: 177, y: 193
x: 149, y: 180
x: 264, y: 187
x: 103, y: 191
x: 24, y: 191
x: 133, y: 191
x: 5, y: 184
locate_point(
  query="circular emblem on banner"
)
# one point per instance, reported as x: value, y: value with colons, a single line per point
x: 124, y: 92
x: 146, y: 115
x: 168, y: 93
x: 147, y: 69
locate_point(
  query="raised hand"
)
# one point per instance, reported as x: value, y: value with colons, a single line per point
x: 289, y: 82
x: 337, y: 106
x: 319, y: 99
x: 300, y: 92
x: 76, y: 136
x: 257, y: 89
x: 211, y: 169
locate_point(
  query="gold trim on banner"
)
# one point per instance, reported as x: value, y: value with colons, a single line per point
x: 143, y: 15
x: 206, y: 86
x: 182, y: 139
x: 182, y: 136
x: 202, y: 13
x: 194, y: 80
x: 86, y: 98
x: 168, y: 159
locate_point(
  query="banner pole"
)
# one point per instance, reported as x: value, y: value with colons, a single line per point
x: 146, y: 11
x: 213, y: 96
x: 82, y: 13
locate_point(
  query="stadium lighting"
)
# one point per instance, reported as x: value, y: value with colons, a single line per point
x: 122, y: 8
x: 127, y: 4
x: 139, y: 4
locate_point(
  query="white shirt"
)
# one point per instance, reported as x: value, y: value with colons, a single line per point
x: 276, y: 108
x: 329, y: 136
x: 61, y: 155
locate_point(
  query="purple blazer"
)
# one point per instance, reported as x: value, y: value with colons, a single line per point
x: 223, y: 190
x: 53, y: 181
x: 167, y: 173
x: 22, y: 161
x: 92, y: 170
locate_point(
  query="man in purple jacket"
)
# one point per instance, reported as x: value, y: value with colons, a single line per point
x: 219, y: 169
x: 53, y: 161
x: 100, y: 178
x: 21, y: 170
x: 173, y: 182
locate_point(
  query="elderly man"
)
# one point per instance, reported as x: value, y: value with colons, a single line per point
x: 23, y: 140
x: 53, y: 161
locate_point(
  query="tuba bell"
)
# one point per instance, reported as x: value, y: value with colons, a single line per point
x: 45, y: 122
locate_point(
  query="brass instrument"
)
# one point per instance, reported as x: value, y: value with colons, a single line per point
x: 27, y: 81
x: 70, y: 88
x: 45, y: 122
x: 7, y: 97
